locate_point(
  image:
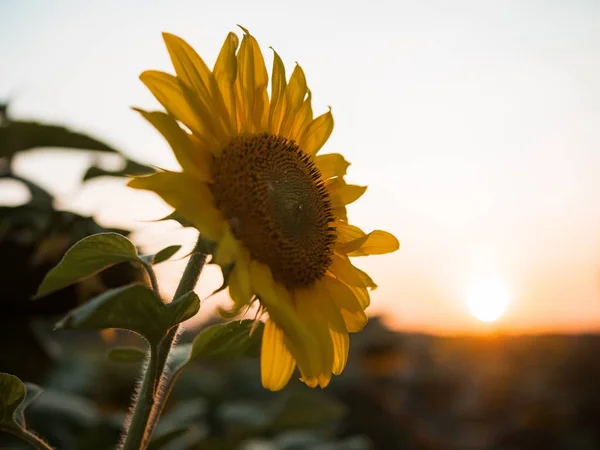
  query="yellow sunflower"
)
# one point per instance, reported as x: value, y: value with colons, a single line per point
x: 252, y: 183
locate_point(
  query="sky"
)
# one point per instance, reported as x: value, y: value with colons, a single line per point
x: 473, y: 123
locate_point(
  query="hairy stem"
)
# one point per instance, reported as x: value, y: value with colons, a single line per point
x: 151, y: 397
x: 28, y: 437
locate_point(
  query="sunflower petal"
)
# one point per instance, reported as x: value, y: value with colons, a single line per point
x: 363, y: 296
x: 343, y: 269
x: 278, y: 87
x: 343, y: 194
x: 277, y: 301
x: 307, y: 305
x: 251, y: 85
x: 331, y: 165
x: 302, y: 118
x: 347, y: 303
x: 377, y: 242
x: 225, y: 71
x: 191, y: 159
x: 276, y: 361
x: 189, y: 196
x: 169, y: 93
x: 316, y: 133
x: 240, y: 287
x: 225, y: 253
x: 294, y: 97
x: 192, y: 70
x: 337, y: 328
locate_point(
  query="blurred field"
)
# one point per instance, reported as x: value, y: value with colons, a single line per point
x: 400, y: 391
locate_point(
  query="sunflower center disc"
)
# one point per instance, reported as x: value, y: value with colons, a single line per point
x: 276, y: 203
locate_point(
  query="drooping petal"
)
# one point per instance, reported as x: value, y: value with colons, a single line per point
x: 307, y: 306
x: 276, y: 361
x: 278, y: 87
x: 225, y: 72
x: 189, y: 196
x: 316, y: 133
x: 347, y: 303
x: 331, y: 165
x: 227, y: 247
x: 343, y: 194
x: 276, y: 300
x: 362, y: 294
x: 240, y: 287
x: 191, y: 158
x: 337, y: 327
x: 294, y: 97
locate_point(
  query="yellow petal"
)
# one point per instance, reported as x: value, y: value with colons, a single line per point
x: 226, y: 249
x: 192, y: 70
x: 340, y: 213
x: 343, y: 194
x: 225, y: 71
x: 240, y: 287
x: 316, y: 133
x: 343, y: 269
x: 337, y: 328
x: 307, y: 305
x: 169, y: 93
x: 294, y: 97
x: 278, y: 87
x: 302, y: 118
x: 189, y: 196
x: 331, y: 165
x: 191, y: 158
x: 278, y: 304
x: 276, y: 361
x: 347, y: 303
x: 362, y: 294
x: 377, y: 242
x: 251, y: 86
x: 347, y: 234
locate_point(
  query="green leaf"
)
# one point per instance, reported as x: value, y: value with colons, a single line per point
x: 177, y: 218
x: 135, y: 308
x: 14, y: 398
x: 228, y: 340
x: 162, y: 255
x: 17, y: 136
x: 126, y: 354
x: 306, y: 409
x: 131, y: 168
x: 87, y: 257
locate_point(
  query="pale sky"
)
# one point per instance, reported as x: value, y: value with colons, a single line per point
x: 474, y: 123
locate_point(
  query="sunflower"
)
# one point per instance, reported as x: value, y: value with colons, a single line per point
x: 252, y: 183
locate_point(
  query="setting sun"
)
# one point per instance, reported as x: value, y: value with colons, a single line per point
x: 487, y: 298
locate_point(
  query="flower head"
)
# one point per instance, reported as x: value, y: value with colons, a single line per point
x: 252, y: 183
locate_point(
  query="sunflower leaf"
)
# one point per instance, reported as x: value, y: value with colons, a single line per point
x: 126, y: 354
x: 163, y: 255
x: 228, y: 340
x: 14, y: 398
x: 135, y: 308
x: 87, y: 257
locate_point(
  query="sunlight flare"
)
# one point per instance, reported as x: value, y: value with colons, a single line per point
x: 487, y: 298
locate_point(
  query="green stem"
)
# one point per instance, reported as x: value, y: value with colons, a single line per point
x: 28, y: 437
x: 152, y: 275
x: 150, y: 401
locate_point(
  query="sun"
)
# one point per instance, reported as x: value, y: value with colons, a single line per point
x: 487, y: 298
